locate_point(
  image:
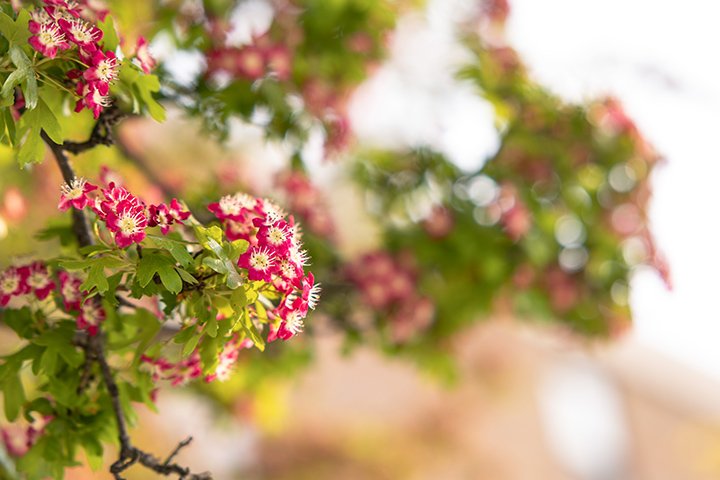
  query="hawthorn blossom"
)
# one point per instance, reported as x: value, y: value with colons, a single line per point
x: 39, y: 280
x: 93, y: 96
x: 104, y: 68
x: 128, y: 223
x: 259, y: 262
x: 75, y: 194
x: 13, y: 282
x: 142, y: 55
x: 81, y: 33
x: 70, y: 291
x: 90, y: 317
x: 233, y: 207
x: 47, y: 38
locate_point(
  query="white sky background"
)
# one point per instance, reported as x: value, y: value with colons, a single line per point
x: 659, y: 57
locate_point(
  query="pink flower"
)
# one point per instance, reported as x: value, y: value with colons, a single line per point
x: 94, y: 97
x: 279, y: 61
x: 250, y: 63
x: 233, y: 207
x: 128, y: 223
x: 39, y: 280
x: 104, y: 68
x: 178, y: 212
x: 291, y: 325
x: 13, y: 282
x: 142, y: 54
x: 91, y: 316
x: 47, y: 38
x: 16, y: 440
x: 259, y: 262
x: 160, y: 217
x: 70, y: 291
x: 75, y: 194
x: 81, y: 33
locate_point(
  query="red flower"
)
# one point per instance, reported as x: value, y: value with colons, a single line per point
x: 48, y: 38
x: 70, y: 291
x: 39, y: 280
x: 160, y: 217
x: 13, y: 282
x: 128, y: 223
x: 233, y: 207
x: 75, y: 194
x: 81, y: 33
x: 177, y: 211
x: 259, y: 262
x: 91, y: 316
x: 104, y: 68
x: 142, y: 54
x: 94, y: 97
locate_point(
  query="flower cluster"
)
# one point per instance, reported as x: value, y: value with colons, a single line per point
x: 389, y: 285
x: 275, y: 256
x: 307, y: 201
x: 62, y: 25
x: 70, y: 26
x: 124, y: 214
x: 251, y: 61
x: 181, y: 372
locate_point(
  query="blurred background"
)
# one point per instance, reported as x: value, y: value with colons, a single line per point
x: 594, y: 358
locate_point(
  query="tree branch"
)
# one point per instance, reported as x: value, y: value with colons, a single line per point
x: 93, y: 346
x: 102, y: 133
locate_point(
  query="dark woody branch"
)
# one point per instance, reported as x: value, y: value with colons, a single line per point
x: 93, y: 346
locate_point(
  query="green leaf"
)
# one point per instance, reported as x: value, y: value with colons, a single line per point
x: 190, y: 345
x: 155, y: 263
x: 20, y: 321
x: 13, y: 396
x: 177, y: 249
x: 33, y: 122
x: 209, y: 350
x: 93, y: 450
x: 146, y: 86
x: 24, y: 74
x: 110, y: 37
x: 211, y: 327
x: 252, y: 332
x: 185, y: 275
x: 15, y: 31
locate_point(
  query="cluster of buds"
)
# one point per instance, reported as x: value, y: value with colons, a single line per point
x: 18, y: 439
x: 303, y: 198
x: 188, y: 369
x: 389, y: 285
x: 251, y: 62
x: 66, y: 25
x: 275, y: 256
x: 125, y: 215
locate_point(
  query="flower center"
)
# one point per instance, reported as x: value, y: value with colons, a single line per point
x: 10, y: 284
x: 276, y: 236
x: 294, y: 323
x: 50, y: 36
x: 128, y: 225
x: 81, y: 32
x: 37, y: 280
x: 75, y: 189
x: 106, y: 70
x: 260, y: 260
